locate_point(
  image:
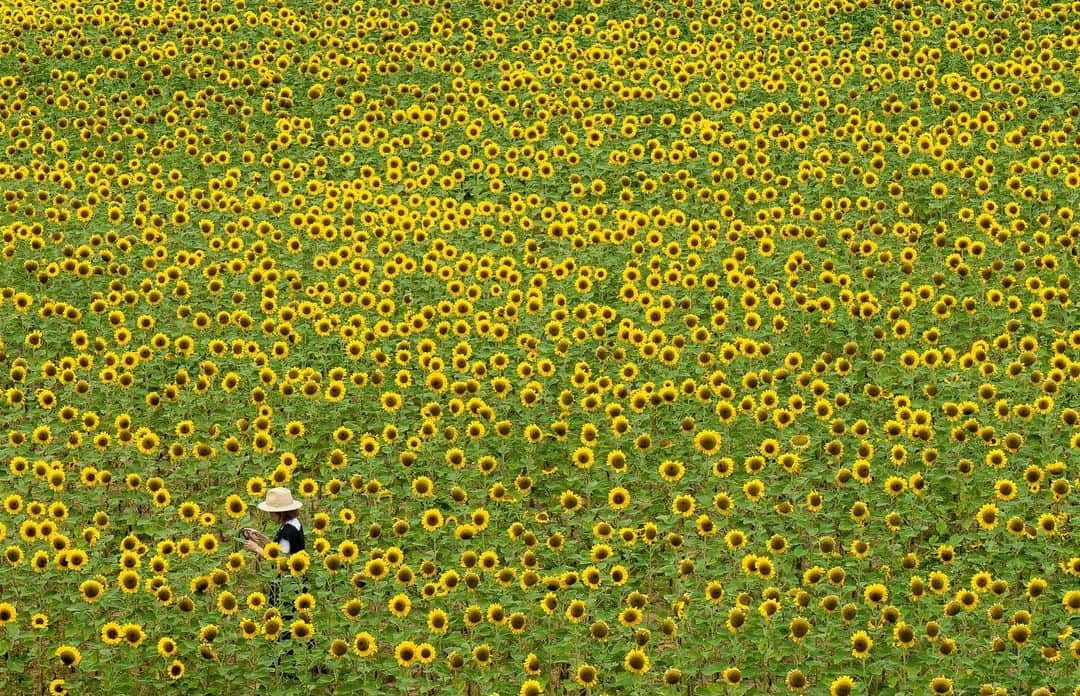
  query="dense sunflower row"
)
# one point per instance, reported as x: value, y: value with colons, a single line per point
x: 621, y: 346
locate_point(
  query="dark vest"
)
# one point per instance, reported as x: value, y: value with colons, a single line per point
x: 293, y: 535
x: 294, y: 585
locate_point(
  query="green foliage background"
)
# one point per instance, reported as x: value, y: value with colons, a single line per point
x: 844, y: 232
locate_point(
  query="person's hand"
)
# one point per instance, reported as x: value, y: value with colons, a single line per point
x: 255, y: 535
x: 252, y: 546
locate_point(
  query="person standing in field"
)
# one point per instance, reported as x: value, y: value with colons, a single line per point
x: 285, y: 511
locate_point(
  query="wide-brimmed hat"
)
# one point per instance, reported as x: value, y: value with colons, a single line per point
x: 279, y: 500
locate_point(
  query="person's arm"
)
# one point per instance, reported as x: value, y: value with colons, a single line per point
x: 252, y: 543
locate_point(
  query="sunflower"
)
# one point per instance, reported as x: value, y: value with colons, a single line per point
x: 842, y: 686
x: 364, y: 644
x: 619, y: 498
x: 672, y: 676
x: 133, y: 634
x: 128, y: 580
x: 683, y: 505
x: 68, y: 655
x: 576, y: 611
x: 570, y: 501
x: 148, y: 443
x: 400, y: 605
x: 904, y: 635
x: 112, y: 633
x: 298, y: 563
x: 338, y: 648
x: 735, y: 539
x: 777, y: 544
x: 176, y: 669
x: 714, y: 592
x: 737, y: 619
x: 861, y: 643
x: 166, y: 647
x: 1019, y: 634
x: 376, y: 568
x: 1048, y: 524
x: 42, y: 435
x: 586, y: 675
x: 671, y: 470
x: 754, y: 490
x: 616, y: 459
x: 235, y: 507
x: 708, y: 442
x: 301, y: 629
x: 227, y: 604
x: 796, y: 681
x: 1035, y: 587
x: 13, y: 504
x: 7, y: 613
x: 876, y: 593
x: 583, y: 457
x: 91, y: 591
x: 988, y: 516
x: 798, y: 628
x: 636, y: 661
x: 630, y: 617
x: 531, y: 687
x: 162, y: 498
x: 1071, y: 601
x: 482, y: 655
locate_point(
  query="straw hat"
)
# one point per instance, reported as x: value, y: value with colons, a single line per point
x: 279, y: 500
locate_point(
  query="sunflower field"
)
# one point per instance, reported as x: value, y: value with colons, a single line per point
x: 612, y: 346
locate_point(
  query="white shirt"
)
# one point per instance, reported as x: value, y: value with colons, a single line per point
x: 285, y: 542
